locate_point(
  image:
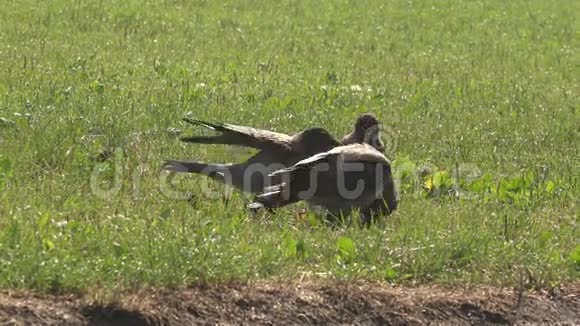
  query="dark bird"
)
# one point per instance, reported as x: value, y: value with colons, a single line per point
x: 276, y: 151
x: 344, y: 178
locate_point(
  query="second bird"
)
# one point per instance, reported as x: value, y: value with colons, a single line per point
x: 345, y: 178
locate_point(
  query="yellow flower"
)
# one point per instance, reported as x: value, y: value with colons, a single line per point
x: 428, y: 184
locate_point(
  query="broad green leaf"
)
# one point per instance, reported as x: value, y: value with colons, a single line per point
x: 575, y: 256
x: 442, y: 180
x: 390, y: 273
x: 483, y: 184
x: 43, y: 220
x: 289, y: 246
x: 345, y: 248
x: 312, y: 219
x: 550, y: 186
x: 47, y: 244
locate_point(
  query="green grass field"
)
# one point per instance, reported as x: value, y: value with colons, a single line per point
x: 92, y: 93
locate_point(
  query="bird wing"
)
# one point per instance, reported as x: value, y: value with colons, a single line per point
x: 306, y: 163
x: 241, y: 136
x: 363, y: 153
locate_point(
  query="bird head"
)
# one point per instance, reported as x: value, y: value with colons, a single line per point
x: 366, y: 130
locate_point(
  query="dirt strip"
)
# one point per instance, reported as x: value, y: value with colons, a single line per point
x: 269, y: 303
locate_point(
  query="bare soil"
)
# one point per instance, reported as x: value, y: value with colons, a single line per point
x: 307, y: 303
